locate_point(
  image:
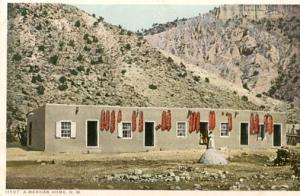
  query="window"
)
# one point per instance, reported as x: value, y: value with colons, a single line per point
x: 126, y: 130
x: 261, y: 134
x: 66, y: 129
x: 181, y: 129
x: 224, y: 129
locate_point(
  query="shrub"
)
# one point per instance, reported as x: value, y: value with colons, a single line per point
x: 23, y: 11
x: 86, y: 48
x: 62, y: 79
x: 95, y: 24
x: 169, y: 60
x: 53, y: 59
x: 139, y: 44
x: 259, y: 95
x: 88, y: 41
x: 37, y: 78
x: 38, y: 27
x: 100, y: 19
x: 244, y: 98
x: 63, y: 87
x: 77, y: 23
x: 73, y: 72
x: 196, y: 78
x: 80, y: 57
x: 40, y: 90
x: 80, y: 68
x: 17, y: 57
x: 41, y: 48
x: 94, y: 15
x: 234, y: 92
x: 129, y: 33
x: 127, y: 46
x: 61, y: 44
x: 206, y: 80
x: 123, y: 71
x: 95, y: 39
x: 71, y: 43
x: 152, y: 86
x: 99, y: 50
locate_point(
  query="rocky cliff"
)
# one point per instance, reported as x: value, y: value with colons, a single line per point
x: 255, y: 47
x: 60, y: 54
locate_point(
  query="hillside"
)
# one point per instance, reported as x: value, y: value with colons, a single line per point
x: 60, y: 54
x: 255, y: 47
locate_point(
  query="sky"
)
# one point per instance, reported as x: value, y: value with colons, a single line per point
x: 134, y: 17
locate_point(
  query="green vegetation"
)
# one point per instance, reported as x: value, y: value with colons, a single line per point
x: 100, y: 19
x: 62, y: 79
x: 73, y: 72
x: 39, y: 27
x: 37, y: 78
x: 170, y: 60
x: 152, y: 86
x: 127, y: 46
x: 71, y: 43
x: 63, y: 87
x: 206, y: 80
x: 80, y: 57
x: 123, y: 71
x: 244, y: 98
x: 17, y: 57
x: 77, y: 23
x: 41, y: 48
x: 259, y: 95
x: 40, y: 90
x: 196, y: 78
x: 53, y: 59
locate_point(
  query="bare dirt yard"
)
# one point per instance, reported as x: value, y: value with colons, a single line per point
x: 155, y: 170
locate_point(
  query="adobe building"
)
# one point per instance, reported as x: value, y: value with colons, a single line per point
x: 91, y: 128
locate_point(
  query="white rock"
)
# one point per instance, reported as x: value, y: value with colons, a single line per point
x: 212, y: 157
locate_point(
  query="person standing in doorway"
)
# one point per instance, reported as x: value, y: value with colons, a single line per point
x: 211, y: 142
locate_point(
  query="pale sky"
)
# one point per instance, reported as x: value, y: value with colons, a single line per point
x: 134, y: 17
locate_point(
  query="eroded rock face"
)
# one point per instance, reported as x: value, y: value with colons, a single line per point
x: 256, y: 47
x: 60, y: 54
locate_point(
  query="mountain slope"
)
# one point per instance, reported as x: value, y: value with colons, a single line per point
x: 255, y: 47
x: 60, y: 54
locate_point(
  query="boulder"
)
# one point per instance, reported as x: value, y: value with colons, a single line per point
x: 213, y: 157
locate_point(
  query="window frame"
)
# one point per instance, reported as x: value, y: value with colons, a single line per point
x: 185, y: 130
x: 224, y: 136
x: 128, y: 122
x: 61, y: 129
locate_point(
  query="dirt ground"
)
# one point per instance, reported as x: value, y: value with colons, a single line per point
x: 155, y: 170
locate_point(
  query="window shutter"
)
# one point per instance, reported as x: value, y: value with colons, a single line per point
x: 73, y: 129
x: 120, y: 130
x: 58, y: 129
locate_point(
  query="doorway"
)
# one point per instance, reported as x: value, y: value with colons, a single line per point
x: 203, y: 133
x: 92, y: 133
x: 277, y: 135
x: 244, y: 134
x: 149, y: 133
x: 29, y: 133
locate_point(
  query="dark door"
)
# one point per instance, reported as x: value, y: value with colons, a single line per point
x: 244, y: 133
x: 92, y: 134
x: 149, y: 133
x: 277, y: 135
x: 29, y: 133
x: 203, y: 132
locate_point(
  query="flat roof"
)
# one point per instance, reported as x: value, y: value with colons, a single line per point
x: 155, y: 107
